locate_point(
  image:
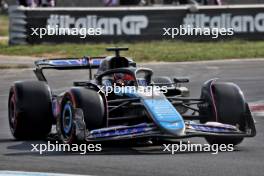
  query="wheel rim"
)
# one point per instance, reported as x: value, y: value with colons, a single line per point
x: 67, y: 117
x: 12, y: 113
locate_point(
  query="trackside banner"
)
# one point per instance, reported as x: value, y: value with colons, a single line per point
x: 80, y: 25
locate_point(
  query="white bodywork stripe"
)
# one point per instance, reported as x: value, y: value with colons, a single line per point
x: 23, y: 173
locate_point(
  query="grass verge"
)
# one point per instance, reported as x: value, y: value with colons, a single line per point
x: 146, y: 51
x: 4, y: 23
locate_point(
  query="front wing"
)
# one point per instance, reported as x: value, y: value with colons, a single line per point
x: 148, y: 130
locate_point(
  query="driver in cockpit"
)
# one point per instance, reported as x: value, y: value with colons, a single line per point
x: 119, y: 79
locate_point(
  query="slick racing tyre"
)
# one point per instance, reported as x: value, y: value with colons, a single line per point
x: 92, y: 105
x: 30, y: 110
x: 226, y: 104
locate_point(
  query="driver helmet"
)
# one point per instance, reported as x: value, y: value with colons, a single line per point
x: 123, y: 79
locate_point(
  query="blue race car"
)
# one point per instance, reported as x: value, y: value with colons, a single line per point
x: 122, y: 101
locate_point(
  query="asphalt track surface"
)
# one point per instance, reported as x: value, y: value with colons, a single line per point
x: 116, y: 159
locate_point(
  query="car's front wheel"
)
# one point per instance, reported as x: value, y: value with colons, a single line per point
x: 226, y: 104
x: 92, y: 106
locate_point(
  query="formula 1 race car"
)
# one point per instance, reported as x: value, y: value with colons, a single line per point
x: 122, y: 101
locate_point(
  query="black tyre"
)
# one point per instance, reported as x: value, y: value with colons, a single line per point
x: 226, y: 104
x: 92, y: 105
x: 30, y: 110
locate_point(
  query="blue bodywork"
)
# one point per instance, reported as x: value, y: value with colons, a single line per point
x: 165, y: 115
x: 162, y: 112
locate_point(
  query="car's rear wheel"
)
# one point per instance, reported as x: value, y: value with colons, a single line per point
x: 226, y: 104
x: 92, y: 106
x: 29, y: 110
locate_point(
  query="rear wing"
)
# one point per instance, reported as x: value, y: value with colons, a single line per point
x: 70, y: 63
x: 67, y: 64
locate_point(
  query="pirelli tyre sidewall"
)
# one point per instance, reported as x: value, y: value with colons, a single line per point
x: 225, y: 104
x: 30, y: 110
x: 92, y: 105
